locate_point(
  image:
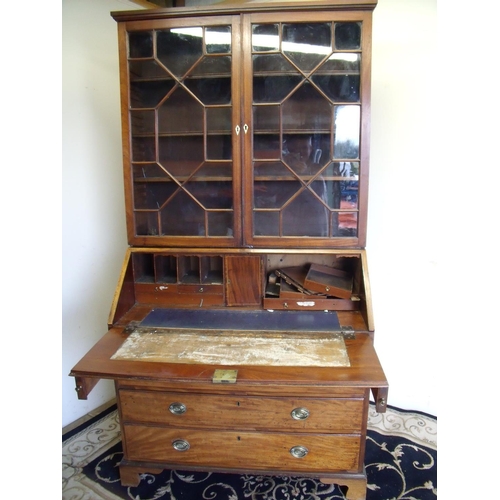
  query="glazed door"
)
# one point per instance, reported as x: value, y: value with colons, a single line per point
x: 180, y: 83
x: 306, y: 102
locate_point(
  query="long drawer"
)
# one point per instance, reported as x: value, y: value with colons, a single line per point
x: 247, y: 450
x: 219, y: 411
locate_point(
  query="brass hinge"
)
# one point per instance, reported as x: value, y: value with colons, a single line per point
x: 347, y: 332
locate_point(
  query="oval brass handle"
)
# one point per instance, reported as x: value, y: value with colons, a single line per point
x: 299, y: 451
x: 300, y: 413
x: 177, y: 408
x: 181, y: 445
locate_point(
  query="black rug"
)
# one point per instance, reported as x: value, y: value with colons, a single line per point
x: 400, y: 462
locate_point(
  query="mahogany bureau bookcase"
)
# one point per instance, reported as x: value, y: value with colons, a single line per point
x: 240, y: 337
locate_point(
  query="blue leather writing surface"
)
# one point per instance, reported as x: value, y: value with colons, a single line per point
x: 228, y: 319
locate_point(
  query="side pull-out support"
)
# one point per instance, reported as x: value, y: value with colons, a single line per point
x: 380, y: 396
x: 84, y: 385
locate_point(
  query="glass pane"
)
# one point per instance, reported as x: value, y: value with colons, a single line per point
x: 181, y: 149
x: 307, y: 44
x: 152, y: 195
x: 220, y: 223
x: 143, y: 149
x: 148, y: 171
x: 146, y: 223
x: 219, y: 147
x: 349, y: 194
x: 142, y: 122
x: 179, y: 48
x: 212, y: 66
x: 182, y: 217
x: 211, y: 194
x: 342, y: 61
x: 273, y: 63
x: 312, y: 150
x: 339, y: 87
x: 140, y: 44
x: 180, y: 113
x: 210, y: 90
x: 218, y: 39
x: 266, y: 146
x: 271, y: 170
x: 326, y: 191
x: 307, y: 109
x: 306, y: 215
x: 274, y: 78
x: 347, y: 224
x: 297, y: 151
x: 144, y: 94
x: 148, y: 69
x: 265, y: 37
x: 347, y: 36
x: 346, y: 169
x: 341, y: 194
x: 274, y: 194
x: 149, y: 83
x: 266, y: 223
x: 219, y: 120
x: 266, y: 118
x: 273, y: 88
x: 215, y: 171
x: 347, y: 129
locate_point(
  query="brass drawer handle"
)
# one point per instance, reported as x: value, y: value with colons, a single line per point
x: 300, y: 413
x: 177, y: 408
x: 299, y: 451
x: 181, y: 445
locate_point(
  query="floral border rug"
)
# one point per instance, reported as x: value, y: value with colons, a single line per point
x: 400, y: 462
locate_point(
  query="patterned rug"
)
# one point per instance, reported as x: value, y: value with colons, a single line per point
x: 400, y: 462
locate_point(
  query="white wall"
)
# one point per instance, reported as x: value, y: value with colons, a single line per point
x: 94, y: 232
x: 403, y: 207
x: 403, y: 251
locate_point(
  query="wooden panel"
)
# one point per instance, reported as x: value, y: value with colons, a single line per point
x: 328, y: 280
x: 124, y: 297
x: 325, y: 415
x: 243, y: 280
x: 243, y: 449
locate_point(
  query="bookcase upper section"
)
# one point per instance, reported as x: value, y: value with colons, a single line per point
x: 247, y: 126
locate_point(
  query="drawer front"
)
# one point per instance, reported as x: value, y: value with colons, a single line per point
x: 243, y: 450
x: 172, y: 295
x: 216, y: 411
x: 311, y: 303
x: 201, y: 289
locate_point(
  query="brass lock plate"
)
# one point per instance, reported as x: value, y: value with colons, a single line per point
x: 225, y: 376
